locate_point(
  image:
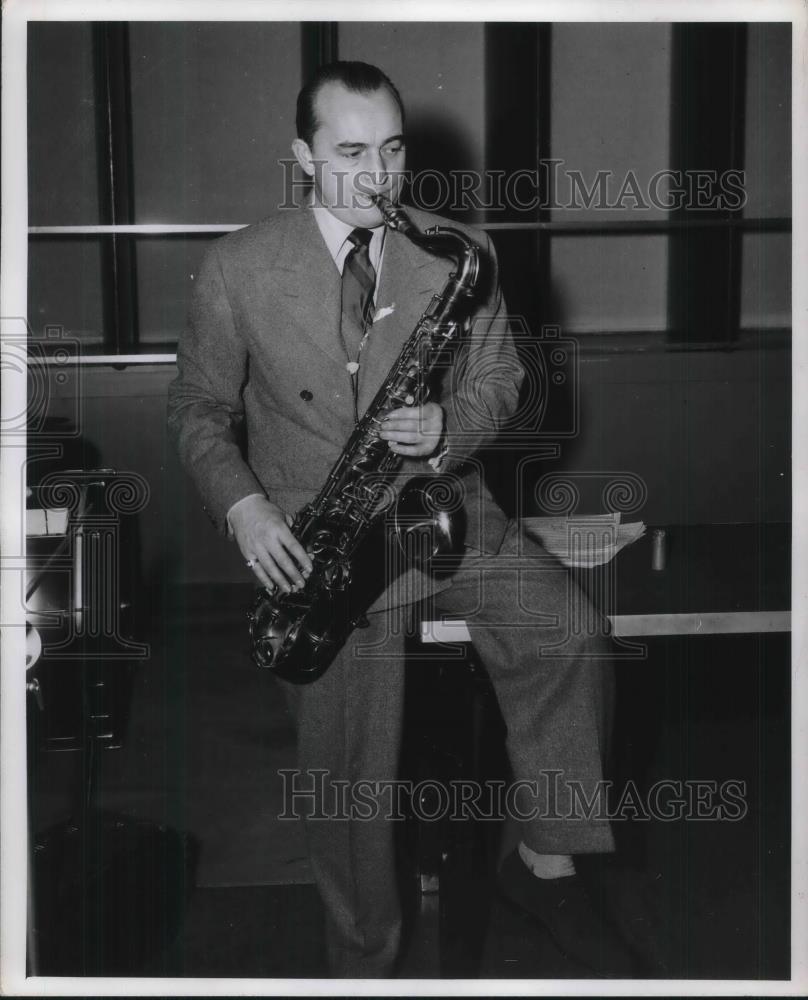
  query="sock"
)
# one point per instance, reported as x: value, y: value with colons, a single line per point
x: 546, y: 865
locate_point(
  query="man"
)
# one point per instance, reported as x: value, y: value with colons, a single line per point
x: 296, y: 321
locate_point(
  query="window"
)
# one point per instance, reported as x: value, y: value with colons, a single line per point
x: 639, y: 128
x: 148, y: 140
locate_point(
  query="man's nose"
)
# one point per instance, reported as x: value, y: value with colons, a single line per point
x: 377, y: 168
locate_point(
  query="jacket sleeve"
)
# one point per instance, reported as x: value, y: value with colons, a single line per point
x: 481, y: 392
x: 205, y: 402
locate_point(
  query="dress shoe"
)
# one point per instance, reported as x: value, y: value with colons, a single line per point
x: 565, y: 910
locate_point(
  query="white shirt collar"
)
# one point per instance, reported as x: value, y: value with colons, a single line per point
x: 335, y: 232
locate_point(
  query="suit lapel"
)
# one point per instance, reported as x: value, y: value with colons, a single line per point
x: 306, y: 272
x: 406, y: 271
x: 409, y: 279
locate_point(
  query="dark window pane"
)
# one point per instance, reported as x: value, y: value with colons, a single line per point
x: 213, y: 110
x: 768, y: 120
x: 519, y: 273
x: 62, y: 170
x: 706, y: 130
x: 64, y: 286
x: 166, y: 267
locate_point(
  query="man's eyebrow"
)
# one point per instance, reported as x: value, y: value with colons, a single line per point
x: 347, y: 144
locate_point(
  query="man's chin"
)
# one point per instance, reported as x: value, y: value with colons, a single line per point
x: 363, y: 213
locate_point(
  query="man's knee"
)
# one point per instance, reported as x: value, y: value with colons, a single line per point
x: 576, y: 641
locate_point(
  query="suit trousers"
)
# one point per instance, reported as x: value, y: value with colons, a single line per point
x: 546, y: 652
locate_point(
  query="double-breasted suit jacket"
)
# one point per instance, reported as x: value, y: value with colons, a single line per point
x: 262, y: 402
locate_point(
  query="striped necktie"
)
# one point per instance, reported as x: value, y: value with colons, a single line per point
x: 358, y: 282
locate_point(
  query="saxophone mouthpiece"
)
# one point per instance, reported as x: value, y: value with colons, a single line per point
x: 394, y: 217
x: 384, y: 205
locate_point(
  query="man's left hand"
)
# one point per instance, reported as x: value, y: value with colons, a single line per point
x: 414, y: 431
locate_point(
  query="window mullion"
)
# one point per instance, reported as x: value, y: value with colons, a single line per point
x: 111, y: 42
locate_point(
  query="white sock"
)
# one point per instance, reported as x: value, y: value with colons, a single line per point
x: 546, y: 865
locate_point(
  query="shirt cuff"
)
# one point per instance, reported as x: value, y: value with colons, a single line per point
x: 437, y: 460
x: 238, y: 504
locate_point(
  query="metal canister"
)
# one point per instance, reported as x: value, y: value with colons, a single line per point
x: 658, y: 549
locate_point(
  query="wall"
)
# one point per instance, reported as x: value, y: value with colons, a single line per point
x: 708, y: 432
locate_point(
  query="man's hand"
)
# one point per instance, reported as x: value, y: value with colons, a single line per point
x: 414, y: 431
x: 262, y: 531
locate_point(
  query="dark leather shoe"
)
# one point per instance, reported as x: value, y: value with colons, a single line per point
x: 565, y: 910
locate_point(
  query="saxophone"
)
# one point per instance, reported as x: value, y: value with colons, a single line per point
x: 344, y: 529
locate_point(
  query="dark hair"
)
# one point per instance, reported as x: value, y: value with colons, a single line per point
x: 358, y: 77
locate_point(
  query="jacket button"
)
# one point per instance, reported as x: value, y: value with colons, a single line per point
x: 306, y: 394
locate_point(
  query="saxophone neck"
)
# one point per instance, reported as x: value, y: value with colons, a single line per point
x: 441, y: 241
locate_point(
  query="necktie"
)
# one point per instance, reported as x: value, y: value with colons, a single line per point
x: 358, y: 282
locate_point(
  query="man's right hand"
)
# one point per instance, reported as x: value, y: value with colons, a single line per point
x: 262, y: 532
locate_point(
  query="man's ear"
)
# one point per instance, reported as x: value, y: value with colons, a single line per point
x: 303, y: 156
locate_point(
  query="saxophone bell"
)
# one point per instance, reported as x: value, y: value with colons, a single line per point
x: 429, y: 522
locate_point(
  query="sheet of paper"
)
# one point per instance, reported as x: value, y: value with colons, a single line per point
x: 51, y: 521
x: 583, y: 541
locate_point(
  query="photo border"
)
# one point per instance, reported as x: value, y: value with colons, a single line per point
x: 13, y: 306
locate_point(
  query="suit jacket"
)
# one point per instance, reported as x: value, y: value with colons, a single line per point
x: 262, y: 402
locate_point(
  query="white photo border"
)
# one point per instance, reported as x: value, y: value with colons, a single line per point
x: 13, y: 304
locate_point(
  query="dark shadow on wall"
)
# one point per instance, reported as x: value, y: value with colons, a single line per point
x: 438, y: 155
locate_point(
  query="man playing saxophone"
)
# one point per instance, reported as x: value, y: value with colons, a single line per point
x: 296, y: 322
